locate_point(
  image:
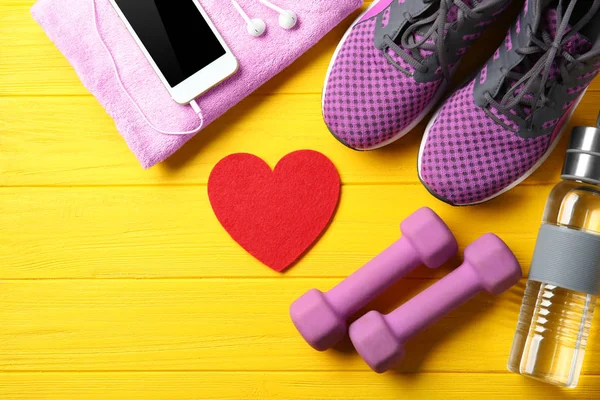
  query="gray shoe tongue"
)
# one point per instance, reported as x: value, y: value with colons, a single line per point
x: 452, y: 14
x: 546, y: 3
x: 595, y: 50
x: 576, y: 44
x: 450, y: 18
x: 592, y: 31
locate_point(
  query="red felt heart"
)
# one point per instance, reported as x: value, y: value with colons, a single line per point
x: 275, y: 215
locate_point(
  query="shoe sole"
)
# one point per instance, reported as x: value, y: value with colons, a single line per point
x: 511, y: 186
x: 408, y: 128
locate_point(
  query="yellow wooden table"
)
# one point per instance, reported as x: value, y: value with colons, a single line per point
x: 117, y: 282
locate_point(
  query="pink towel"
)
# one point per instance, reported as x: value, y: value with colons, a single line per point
x: 69, y: 25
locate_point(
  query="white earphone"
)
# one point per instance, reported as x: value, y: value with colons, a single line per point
x: 287, y: 18
x: 256, y: 26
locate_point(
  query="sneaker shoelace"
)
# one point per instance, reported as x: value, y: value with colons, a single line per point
x: 431, y: 40
x: 530, y: 90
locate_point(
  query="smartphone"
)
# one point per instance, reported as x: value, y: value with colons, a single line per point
x: 182, y: 44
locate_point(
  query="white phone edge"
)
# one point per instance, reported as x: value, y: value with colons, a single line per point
x: 203, y: 80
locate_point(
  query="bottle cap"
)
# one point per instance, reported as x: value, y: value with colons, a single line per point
x: 583, y: 155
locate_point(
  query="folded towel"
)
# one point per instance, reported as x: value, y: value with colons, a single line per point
x: 69, y: 24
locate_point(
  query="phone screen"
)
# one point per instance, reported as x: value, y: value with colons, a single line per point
x: 175, y: 34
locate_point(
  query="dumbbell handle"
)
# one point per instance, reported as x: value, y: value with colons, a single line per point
x: 434, y: 302
x: 362, y: 286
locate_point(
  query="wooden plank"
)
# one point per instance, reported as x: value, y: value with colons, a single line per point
x: 71, y: 141
x: 22, y: 40
x: 225, y: 325
x: 284, y: 385
x: 165, y: 231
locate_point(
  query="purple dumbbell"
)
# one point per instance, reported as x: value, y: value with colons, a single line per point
x: 321, y: 317
x: 489, y: 265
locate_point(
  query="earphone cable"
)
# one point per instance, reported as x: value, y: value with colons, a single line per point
x: 193, y: 103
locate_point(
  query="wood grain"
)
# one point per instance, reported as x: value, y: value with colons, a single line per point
x: 165, y: 231
x: 26, y: 40
x: 117, y: 282
x: 21, y: 38
x: 47, y: 142
x: 228, y: 324
x: 284, y: 385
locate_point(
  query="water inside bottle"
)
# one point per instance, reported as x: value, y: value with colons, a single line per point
x: 554, y: 322
x: 552, y: 333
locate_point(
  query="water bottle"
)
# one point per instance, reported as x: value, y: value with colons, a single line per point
x: 564, y: 278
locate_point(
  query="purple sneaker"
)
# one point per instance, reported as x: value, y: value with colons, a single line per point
x: 390, y: 69
x: 495, y: 131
